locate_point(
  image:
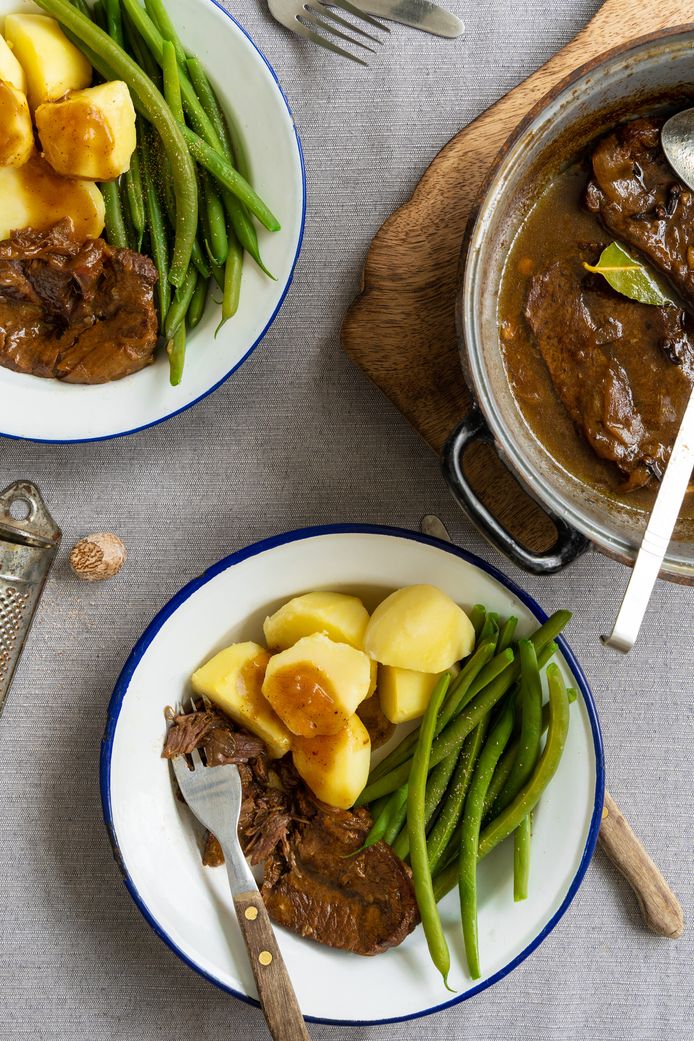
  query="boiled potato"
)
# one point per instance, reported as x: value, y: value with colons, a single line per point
x: 10, y: 69
x: 52, y: 64
x: 316, y: 685
x: 232, y: 680
x: 90, y: 133
x: 405, y: 694
x: 34, y: 196
x: 343, y: 618
x: 16, y: 131
x: 419, y: 628
x: 335, y: 767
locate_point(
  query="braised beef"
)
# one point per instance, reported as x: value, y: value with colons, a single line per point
x: 213, y: 732
x: 81, y: 312
x: 636, y: 195
x: 313, y: 884
x: 623, y: 370
x: 319, y: 886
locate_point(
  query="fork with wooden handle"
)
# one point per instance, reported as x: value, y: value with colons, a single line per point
x: 214, y: 795
x: 660, y: 908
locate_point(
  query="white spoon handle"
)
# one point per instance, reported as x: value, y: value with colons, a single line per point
x: 657, y: 537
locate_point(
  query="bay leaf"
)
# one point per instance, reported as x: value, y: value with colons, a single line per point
x: 630, y: 277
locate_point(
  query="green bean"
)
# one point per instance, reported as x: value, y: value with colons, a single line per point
x: 172, y: 82
x: 180, y: 304
x: 463, y: 693
x: 521, y: 859
x: 244, y: 229
x: 160, y: 17
x: 208, y: 100
x: 527, y: 799
x: 233, y: 270
x: 197, y: 304
x: 116, y: 232
x: 177, y: 355
x: 528, y: 754
x: 531, y: 726
x: 223, y: 172
x: 382, y: 821
x: 114, y: 21
x: 215, y: 225
x: 398, y: 818
x: 451, y: 812
x: 507, y: 632
x: 470, y: 835
x: 477, y: 616
x: 450, y: 740
x: 437, y: 782
x: 431, y: 922
x: 133, y: 188
x: 158, y: 113
x: 236, y: 212
x: 157, y: 229
x: 140, y: 51
x: 490, y: 629
x: 509, y: 757
x: 155, y: 42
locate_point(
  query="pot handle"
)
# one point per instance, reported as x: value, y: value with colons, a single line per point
x: 569, y: 543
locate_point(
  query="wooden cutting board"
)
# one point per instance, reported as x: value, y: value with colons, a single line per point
x: 401, y: 328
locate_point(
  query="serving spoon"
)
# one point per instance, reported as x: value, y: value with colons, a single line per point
x: 677, y: 140
x: 660, y: 909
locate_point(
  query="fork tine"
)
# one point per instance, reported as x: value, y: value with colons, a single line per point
x: 347, y: 25
x: 197, y: 760
x: 322, y: 42
x: 312, y: 19
x: 347, y: 6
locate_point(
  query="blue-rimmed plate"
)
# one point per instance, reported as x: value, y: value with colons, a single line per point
x: 152, y: 835
x: 47, y: 410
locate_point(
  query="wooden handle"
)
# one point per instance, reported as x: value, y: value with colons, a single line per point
x: 277, y: 997
x: 660, y: 908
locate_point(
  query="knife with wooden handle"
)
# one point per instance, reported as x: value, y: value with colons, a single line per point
x: 420, y: 14
x: 660, y: 908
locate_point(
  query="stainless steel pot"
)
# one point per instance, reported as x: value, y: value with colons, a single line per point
x: 620, y: 82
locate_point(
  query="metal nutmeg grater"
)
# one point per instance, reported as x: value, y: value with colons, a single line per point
x: 29, y: 540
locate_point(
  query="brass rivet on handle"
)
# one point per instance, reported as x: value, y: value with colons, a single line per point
x: 264, y: 957
x: 605, y: 813
x: 251, y: 913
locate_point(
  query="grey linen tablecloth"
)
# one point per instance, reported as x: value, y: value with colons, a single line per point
x: 300, y: 437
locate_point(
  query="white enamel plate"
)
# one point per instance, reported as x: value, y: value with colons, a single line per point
x: 153, y: 836
x: 47, y: 410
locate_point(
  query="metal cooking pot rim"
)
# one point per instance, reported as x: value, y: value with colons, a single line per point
x: 609, y: 541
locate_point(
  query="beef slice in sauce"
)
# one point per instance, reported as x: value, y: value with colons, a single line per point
x: 81, y: 312
x: 623, y: 370
x: 319, y: 886
x: 636, y: 195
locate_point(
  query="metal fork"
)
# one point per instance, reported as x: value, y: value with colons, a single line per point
x: 214, y: 796
x: 306, y: 16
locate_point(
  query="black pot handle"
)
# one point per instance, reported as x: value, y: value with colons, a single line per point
x: 569, y: 544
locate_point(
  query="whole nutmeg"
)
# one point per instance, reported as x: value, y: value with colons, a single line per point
x: 98, y: 557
